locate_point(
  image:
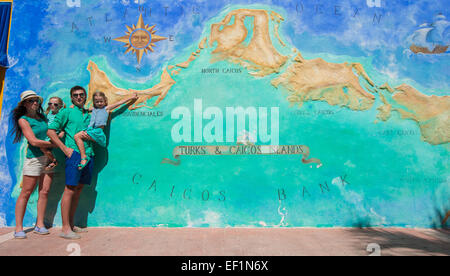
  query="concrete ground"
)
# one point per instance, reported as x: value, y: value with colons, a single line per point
x: 232, y: 242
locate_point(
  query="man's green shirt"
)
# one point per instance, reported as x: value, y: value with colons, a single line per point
x: 73, y: 120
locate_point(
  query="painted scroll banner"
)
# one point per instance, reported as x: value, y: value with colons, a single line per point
x: 242, y: 150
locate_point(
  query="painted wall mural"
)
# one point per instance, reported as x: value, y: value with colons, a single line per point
x: 270, y: 114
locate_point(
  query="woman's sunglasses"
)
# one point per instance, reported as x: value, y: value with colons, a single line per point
x: 33, y: 101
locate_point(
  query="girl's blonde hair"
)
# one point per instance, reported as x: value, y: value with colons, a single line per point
x: 99, y: 94
x: 63, y: 105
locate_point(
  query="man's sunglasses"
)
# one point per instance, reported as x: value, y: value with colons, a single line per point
x: 81, y: 95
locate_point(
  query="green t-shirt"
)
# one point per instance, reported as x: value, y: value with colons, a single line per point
x: 72, y: 120
x: 50, y: 117
x: 39, y: 128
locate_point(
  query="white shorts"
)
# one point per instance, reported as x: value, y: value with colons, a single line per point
x: 35, y: 166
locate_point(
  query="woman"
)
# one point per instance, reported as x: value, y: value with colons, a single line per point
x: 29, y: 120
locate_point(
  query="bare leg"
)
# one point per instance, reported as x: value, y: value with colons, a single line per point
x: 44, y: 189
x: 80, y: 143
x: 73, y: 208
x: 66, y: 203
x: 29, y: 183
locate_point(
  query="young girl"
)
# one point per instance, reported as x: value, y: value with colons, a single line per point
x: 29, y: 120
x: 54, y: 105
x: 99, y: 119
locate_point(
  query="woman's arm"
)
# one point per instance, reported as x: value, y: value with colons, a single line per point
x: 119, y: 103
x: 29, y: 134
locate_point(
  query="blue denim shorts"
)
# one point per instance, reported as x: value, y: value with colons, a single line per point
x: 74, y: 176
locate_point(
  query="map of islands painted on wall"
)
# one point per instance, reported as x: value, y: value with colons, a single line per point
x: 373, y: 118
x: 307, y: 80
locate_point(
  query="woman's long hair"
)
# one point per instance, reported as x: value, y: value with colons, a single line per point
x: 16, y: 114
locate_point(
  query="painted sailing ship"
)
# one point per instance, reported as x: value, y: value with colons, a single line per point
x: 432, y: 38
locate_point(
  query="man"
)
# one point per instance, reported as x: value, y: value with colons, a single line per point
x: 72, y: 120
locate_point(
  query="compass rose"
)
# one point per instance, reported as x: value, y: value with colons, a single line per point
x: 140, y: 39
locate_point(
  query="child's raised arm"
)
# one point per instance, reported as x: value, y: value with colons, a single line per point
x: 121, y: 102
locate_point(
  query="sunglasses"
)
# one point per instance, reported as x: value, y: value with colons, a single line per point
x: 81, y: 95
x: 33, y: 101
x: 54, y: 104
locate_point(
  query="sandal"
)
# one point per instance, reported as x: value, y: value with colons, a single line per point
x: 41, y: 231
x: 69, y: 236
x: 77, y: 229
x: 52, y: 165
x: 81, y: 166
x: 20, y: 235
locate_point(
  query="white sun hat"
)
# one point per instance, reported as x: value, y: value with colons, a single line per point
x: 29, y: 94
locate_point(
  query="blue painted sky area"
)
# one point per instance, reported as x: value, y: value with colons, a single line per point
x: 350, y: 28
x: 51, y: 44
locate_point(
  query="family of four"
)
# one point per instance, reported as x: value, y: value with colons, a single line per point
x: 72, y: 130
